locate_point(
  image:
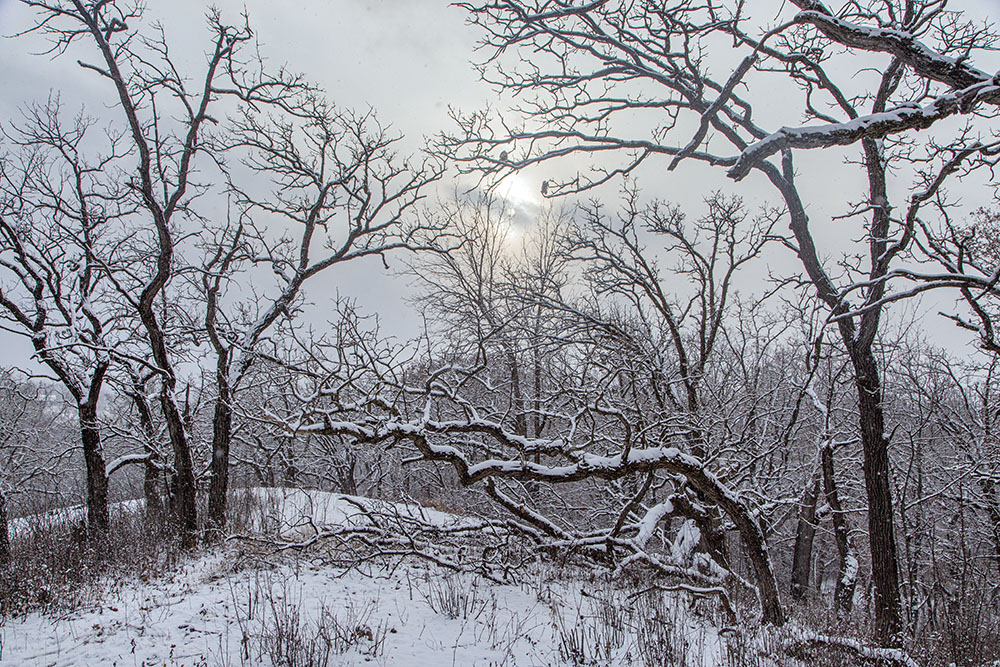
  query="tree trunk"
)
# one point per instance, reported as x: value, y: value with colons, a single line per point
x: 992, y: 502
x: 184, y: 489
x: 98, y: 519
x: 710, y: 524
x: 805, y: 533
x: 847, y: 575
x: 858, y: 339
x: 218, y: 490
x: 885, y: 575
x: 4, y: 534
x: 171, y: 483
x: 150, y: 485
x: 347, y: 475
x: 756, y: 549
x: 517, y: 397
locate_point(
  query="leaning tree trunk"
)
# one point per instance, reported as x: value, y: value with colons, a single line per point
x: 805, y: 533
x: 710, y: 524
x: 847, y: 576
x: 754, y: 545
x: 98, y: 519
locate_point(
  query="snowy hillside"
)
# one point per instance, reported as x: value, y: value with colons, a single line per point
x: 250, y: 603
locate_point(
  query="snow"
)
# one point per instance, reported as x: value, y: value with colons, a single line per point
x: 65, y: 515
x: 885, y: 655
x: 885, y: 39
x: 850, y: 570
x: 201, y: 614
x: 900, y: 119
x: 294, y: 509
x: 687, y: 540
x: 217, y: 607
x: 649, y: 521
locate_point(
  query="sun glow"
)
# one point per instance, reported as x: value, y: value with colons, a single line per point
x: 523, y: 204
x: 518, y: 190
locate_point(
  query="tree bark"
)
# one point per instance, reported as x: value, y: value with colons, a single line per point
x: 184, y: 489
x: 881, y: 535
x: 222, y: 428
x: 805, y: 533
x: 847, y: 575
x: 4, y: 534
x: 98, y: 518
x: 151, y: 479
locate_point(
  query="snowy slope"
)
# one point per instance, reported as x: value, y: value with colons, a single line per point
x: 223, y: 608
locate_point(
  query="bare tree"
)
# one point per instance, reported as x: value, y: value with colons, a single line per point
x: 356, y: 190
x: 594, y: 68
x: 164, y: 129
x: 616, y: 431
x: 340, y: 192
x: 672, y: 345
x: 57, y: 213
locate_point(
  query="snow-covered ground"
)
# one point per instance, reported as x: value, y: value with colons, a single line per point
x: 224, y: 607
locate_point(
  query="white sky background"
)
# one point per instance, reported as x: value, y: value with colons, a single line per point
x: 409, y: 60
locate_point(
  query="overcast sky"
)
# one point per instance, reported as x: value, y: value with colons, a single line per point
x: 407, y: 59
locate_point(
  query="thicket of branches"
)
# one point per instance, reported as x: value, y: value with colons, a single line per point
x: 617, y: 383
